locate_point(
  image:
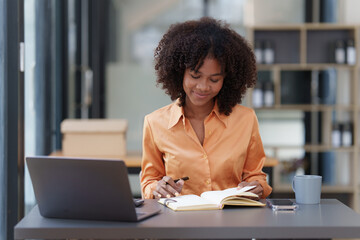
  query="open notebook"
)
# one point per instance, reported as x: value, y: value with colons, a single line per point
x: 213, y: 200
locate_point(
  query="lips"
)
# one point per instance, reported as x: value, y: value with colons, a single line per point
x: 200, y: 95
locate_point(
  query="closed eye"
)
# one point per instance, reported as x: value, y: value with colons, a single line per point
x: 214, y: 80
x: 194, y: 77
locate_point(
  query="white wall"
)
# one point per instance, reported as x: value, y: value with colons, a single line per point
x: 131, y: 93
x: 349, y: 11
x: 260, y: 12
x: 285, y: 11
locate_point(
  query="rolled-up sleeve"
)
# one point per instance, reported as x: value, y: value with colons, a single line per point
x: 152, y: 164
x: 255, y: 160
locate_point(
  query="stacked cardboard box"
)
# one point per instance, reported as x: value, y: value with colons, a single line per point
x: 94, y: 137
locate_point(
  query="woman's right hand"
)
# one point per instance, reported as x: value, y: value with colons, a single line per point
x: 167, y: 188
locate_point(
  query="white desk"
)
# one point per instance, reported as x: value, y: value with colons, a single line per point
x: 330, y: 219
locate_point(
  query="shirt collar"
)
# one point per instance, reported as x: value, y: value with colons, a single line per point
x: 222, y: 117
x: 177, y: 112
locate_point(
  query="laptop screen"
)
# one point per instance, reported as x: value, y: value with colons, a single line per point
x: 82, y: 188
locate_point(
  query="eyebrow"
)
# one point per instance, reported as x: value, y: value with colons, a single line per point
x: 215, y: 74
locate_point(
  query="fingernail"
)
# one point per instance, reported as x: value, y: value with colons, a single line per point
x: 177, y: 194
x: 168, y: 195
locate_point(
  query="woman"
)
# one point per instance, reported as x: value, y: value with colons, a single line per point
x: 205, y: 134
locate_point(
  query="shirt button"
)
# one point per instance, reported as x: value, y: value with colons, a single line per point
x: 205, y: 156
x: 208, y: 181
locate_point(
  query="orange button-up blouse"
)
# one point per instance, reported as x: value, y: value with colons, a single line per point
x: 232, y: 150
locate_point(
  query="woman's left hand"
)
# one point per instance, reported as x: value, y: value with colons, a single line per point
x: 258, y: 190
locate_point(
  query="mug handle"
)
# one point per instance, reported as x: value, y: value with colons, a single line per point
x: 293, y: 185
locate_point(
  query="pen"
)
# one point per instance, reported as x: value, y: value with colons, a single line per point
x: 183, y: 178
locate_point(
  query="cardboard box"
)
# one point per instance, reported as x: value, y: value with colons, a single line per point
x: 94, y: 137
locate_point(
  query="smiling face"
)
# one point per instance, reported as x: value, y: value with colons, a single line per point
x: 203, y: 85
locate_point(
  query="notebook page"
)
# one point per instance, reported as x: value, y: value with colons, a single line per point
x: 217, y: 196
x: 186, y: 201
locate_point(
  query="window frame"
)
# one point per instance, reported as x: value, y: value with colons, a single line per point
x: 11, y: 117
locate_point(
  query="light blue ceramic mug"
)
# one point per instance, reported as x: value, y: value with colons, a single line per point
x: 307, y: 189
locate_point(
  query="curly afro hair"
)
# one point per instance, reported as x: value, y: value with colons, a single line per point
x: 186, y: 45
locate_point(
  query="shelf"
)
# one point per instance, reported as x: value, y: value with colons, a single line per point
x: 132, y: 158
x: 286, y: 188
x: 328, y: 26
x: 310, y: 107
x: 314, y: 148
x: 281, y: 42
x: 307, y: 82
x: 309, y: 67
x: 284, y: 27
x: 304, y: 45
x: 311, y: 26
x: 318, y: 148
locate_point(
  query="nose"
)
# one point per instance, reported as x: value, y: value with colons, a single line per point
x: 202, y: 85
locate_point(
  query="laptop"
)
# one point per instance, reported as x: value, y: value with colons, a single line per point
x: 84, y: 188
